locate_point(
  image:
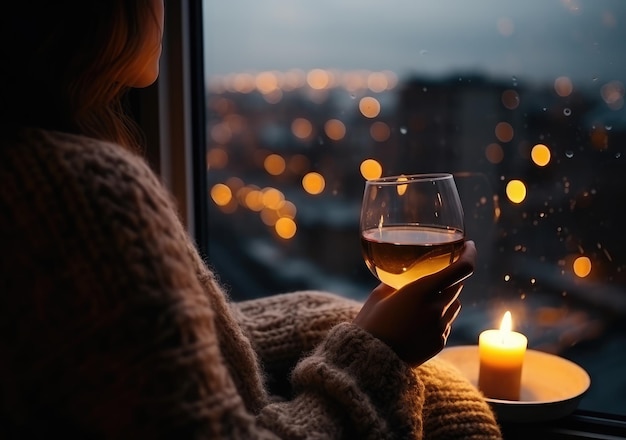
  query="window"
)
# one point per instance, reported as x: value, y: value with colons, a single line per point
x: 522, y: 101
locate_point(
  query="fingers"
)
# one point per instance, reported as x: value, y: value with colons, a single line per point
x: 453, y: 274
x: 469, y: 250
x: 448, y: 318
x: 445, y: 336
x: 449, y: 297
x: 451, y: 312
x: 464, y: 266
x: 382, y: 291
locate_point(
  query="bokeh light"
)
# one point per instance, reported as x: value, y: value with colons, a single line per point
x: 371, y: 169
x: 269, y: 217
x: 216, y: 158
x: 302, y: 128
x: 380, y: 131
x: 274, y: 164
x: 243, y: 83
x: 221, y: 133
x: 613, y: 94
x: 540, y: 154
x: 369, y: 107
x: 221, y: 194
x: 335, y: 129
x: 285, y: 227
x: 272, y: 198
x: 504, y: 131
x: 494, y: 153
x: 510, y: 99
x: 313, y: 183
x: 377, y: 82
x: 401, y: 189
x: 254, y: 200
x: 516, y: 191
x: 318, y: 79
x: 266, y: 82
x: 293, y: 79
x: 582, y: 266
x: 563, y: 86
x: 235, y: 183
x: 287, y: 209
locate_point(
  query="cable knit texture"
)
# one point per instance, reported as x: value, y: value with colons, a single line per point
x: 113, y: 327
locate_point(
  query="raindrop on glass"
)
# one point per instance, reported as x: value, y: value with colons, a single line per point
x: 403, y: 130
x: 567, y: 111
x: 608, y: 127
x: 569, y: 154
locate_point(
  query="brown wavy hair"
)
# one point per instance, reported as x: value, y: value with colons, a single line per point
x: 62, y: 63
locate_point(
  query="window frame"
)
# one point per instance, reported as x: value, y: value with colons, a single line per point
x: 172, y: 115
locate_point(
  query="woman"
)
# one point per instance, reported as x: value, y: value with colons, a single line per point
x: 114, y: 327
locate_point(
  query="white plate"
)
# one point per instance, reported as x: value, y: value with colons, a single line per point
x: 551, y: 386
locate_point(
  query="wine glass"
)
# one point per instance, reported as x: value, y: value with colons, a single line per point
x: 411, y: 226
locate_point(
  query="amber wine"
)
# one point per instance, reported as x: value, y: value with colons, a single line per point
x: 397, y: 255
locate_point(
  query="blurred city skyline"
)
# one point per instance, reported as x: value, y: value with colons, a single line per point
x: 537, y: 42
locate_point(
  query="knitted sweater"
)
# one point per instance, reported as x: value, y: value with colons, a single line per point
x: 112, y: 326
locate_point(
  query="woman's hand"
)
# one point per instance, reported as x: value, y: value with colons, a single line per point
x: 415, y: 320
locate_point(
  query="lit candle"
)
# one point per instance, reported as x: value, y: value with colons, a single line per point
x: 501, y: 359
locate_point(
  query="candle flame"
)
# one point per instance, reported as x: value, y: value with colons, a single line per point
x: 507, y: 323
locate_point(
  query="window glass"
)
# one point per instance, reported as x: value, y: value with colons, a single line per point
x: 522, y: 101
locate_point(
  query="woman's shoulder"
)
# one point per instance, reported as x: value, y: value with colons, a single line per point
x: 77, y: 149
x: 64, y: 168
x: 72, y: 157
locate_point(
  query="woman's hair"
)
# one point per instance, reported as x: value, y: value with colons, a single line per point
x: 64, y: 63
